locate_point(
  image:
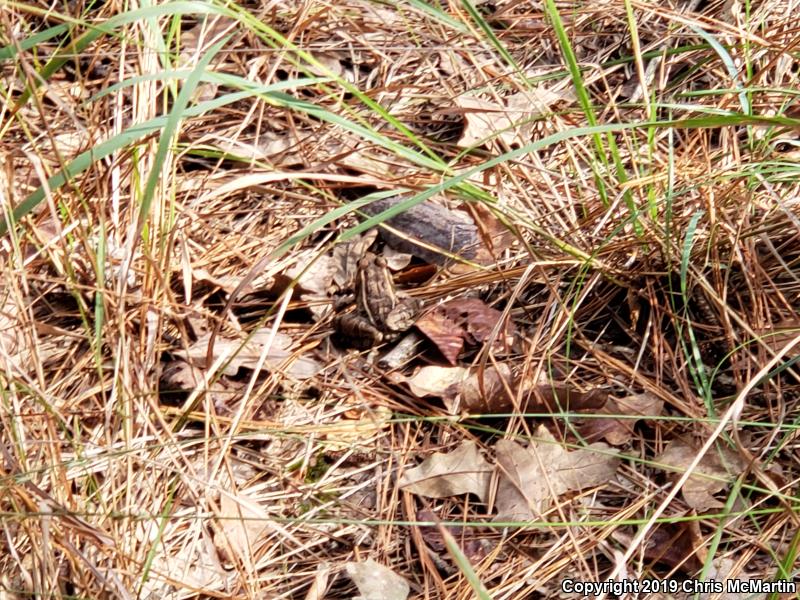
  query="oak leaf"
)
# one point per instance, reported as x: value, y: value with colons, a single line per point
x: 713, y: 474
x: 512, y: 121
x: 530, y: 478
x: 462, y: 471
x: 245, y: 524
x: 434, y: 380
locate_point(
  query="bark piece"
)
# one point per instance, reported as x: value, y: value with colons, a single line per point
x: 433, y: 225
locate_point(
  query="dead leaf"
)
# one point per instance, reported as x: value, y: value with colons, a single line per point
x: 485, y: 120
x: 204, y: 34
x: 12, y: 337
x: 319, y: 586
x: 779, y: 335
x: 464, y: 320
x: 68, y: 144
x: 462, y: 471
x: 179, y: 378
x: 494, y: 390
x: 277, y: 149
x: 313, y: 277
x: 364, y: 160
x: 485, y: 391
x: 247, y: 354
x: 193, y: 44
x: 513, y: 121
x: 433, y: 380
x: 179, y: 375
x: 330, y: 64
x: 562, y: 396
x: 244, y: 525
x: 673, y: 545
x: 714, y: 473
x: 477, y: 319
x: 494, y: 235
x: 532, y: 477
x: 376, y: 582
x: 544, y: 397
x: 228, y: 283
x: 619, y: 431
x: 395, y: 260
x: 194, y: 562
x: 313, y: 274
x: 722, y: 568
x: 768, y: 341
x: 358, y: 427
x: 444, y: 336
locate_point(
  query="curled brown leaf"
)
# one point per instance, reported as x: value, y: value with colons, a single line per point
x: 462, y: 321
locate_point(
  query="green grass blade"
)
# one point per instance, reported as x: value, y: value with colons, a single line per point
x: 730, y: 66
x: 130, y: 136
x: 487, y: 30
x: 176, y: 115
x: 108, y: 28
x: 463, y: 564
x: 11, y: 50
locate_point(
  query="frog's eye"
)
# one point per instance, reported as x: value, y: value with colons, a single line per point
x: 380, y: 261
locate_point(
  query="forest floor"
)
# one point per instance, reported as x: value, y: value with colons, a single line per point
x: 420, y: 299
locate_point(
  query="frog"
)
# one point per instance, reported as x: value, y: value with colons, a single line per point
x: 380, y: 313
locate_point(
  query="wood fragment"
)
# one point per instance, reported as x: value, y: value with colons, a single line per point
x: 435, y: 228
x: 403, y: 352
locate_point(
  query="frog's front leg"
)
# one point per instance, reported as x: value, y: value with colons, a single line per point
x: 403, y: 315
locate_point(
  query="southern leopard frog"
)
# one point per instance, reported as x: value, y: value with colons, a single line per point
x: 381, y: 313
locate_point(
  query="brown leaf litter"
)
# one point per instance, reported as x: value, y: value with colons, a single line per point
x: 512, y: 121
x: 473, y: 544
x: 377, y: 582
x: 716, y: 471
x: 465, y: 321
x: 461, y: 471
x: 238, y: 353
x: 529, y: 477
x: 533, y: 477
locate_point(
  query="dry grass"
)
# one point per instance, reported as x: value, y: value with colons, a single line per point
x: 657, y: 250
